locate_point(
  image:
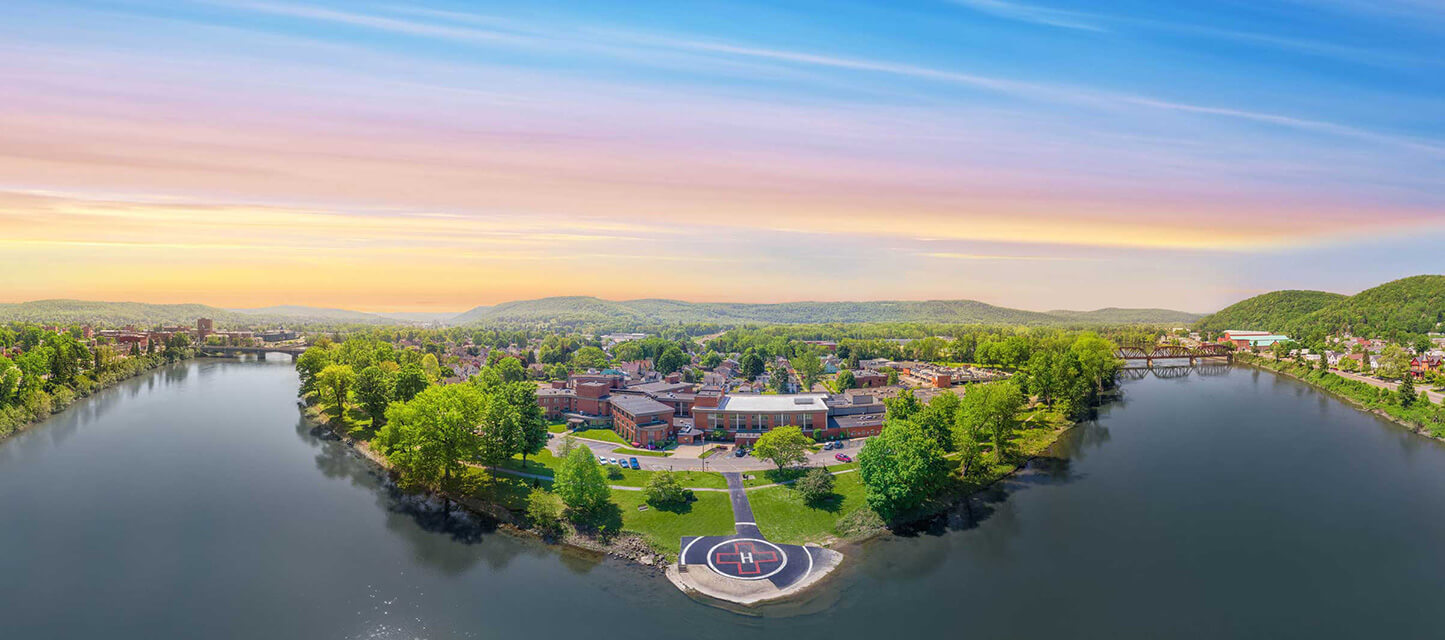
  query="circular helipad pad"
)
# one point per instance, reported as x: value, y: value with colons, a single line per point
x: 746, y: 558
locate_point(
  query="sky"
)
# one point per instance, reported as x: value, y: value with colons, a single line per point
x: 436, y: 156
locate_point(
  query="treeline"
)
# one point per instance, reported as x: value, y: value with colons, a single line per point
x: 430, y: 432
x: 1009, y: 347
x: 53, y: 369
x: 1405, y: 404
x: 1400, y: 311
x: 926, y: 449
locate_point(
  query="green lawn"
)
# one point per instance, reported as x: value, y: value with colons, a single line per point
x: 557, y: 427
x: 629, y: 451
x: 783, y: 517
x: 710, y: 453
x: 691, y: 479
x: 710, y: 515
x: 601, y: 433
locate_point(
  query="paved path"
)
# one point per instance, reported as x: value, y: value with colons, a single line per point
x: 743, y: 519
x: 721, y: 462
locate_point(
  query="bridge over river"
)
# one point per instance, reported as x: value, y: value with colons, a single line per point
x: 292, y: 350
x: 1132, y: 355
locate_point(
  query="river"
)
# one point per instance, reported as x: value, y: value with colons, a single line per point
x: 194, y: 502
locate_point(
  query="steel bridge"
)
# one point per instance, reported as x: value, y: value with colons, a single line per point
x: 1132, y: 354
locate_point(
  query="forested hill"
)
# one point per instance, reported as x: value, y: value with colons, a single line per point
x: 114, y: 314
x: 1273, y: 311
x: 589, y: 311
x: 1406, y: 307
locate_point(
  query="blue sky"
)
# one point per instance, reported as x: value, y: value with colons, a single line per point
x: 1033, y: 154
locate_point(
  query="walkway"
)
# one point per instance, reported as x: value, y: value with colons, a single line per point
x: 1434, y: 396
x: 743, y: 521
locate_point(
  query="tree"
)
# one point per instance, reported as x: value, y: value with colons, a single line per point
x: 309, y: 366
x: 1407, y: 391
x: 518, y: 422
x: 783, y: 446
x: 815, y: 485
x: 410, y: 380
x: 663, y: 490
x: 589, y: 358
x: 968, y: 442
x: 374, y: 392
x: 1394, y: 362
x: 992, y: 409
x: 1096, y: 359
x: 710, y: 360
x: 510, y: 370
x: 900, y: 468
x: 335, y: 383
x: 845, y: 380
x: 545, y: 510
x: 431, y: 437
x: 903, y: 406
x: 778, y: 379
x: 937, y: 418
x: 580, y: 484
x: 671, y: 359
x: 808, y: 366
x: 751, y: 365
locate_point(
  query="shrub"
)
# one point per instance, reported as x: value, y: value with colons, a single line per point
x: 662, y: 489
x: 815, y: 486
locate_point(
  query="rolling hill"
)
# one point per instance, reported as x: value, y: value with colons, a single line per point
x: 1408, y: 306
x: 1273, y: 311
x: 589, y: 311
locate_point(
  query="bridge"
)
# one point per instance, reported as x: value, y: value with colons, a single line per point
x: 292, y: 350
x: 1133, y: 354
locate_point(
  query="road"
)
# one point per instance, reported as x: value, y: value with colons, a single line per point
x: 722, y: 462
x: 1435, y: 396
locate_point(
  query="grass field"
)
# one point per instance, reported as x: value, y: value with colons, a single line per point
x: 783, y: 517
x: 601, y: 433
x: 710, y: 515
x: 629, y: 451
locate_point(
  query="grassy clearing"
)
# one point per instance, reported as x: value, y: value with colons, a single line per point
x: 629, y: 451
x: 637, y: 478
x: 601, y: 433
x: 784, y: 517
x: 710, y: 515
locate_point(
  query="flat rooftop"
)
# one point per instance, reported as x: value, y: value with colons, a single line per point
x: 774, y: 403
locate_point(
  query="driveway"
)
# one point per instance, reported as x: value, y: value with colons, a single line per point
x: 723, y: 462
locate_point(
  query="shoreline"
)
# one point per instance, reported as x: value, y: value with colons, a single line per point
x: 636, y: 551
x: 1418, y: 430
x: 77, y: 396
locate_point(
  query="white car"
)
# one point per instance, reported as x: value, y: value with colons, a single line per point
x: 601, y: 460
x: 612, y: 461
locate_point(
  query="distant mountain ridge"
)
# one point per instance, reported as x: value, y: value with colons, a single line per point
x: 68, y: 311
x: 587, y: 310
x: 1408, y: 306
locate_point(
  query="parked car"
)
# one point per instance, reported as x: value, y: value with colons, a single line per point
x: 740, y: 452
x: 601, y: 460
x: 842, y: 458
x: 612, y: 461
x: 632, y: 462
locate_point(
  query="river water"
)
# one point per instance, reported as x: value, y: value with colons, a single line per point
x: 194, y: 502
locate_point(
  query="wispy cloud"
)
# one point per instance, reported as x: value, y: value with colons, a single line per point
x: 627, y: 44
x: 1033, y: 13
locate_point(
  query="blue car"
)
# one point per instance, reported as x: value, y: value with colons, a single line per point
x: 633, y: 463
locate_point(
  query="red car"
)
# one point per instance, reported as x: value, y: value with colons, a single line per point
x: 841, y: 458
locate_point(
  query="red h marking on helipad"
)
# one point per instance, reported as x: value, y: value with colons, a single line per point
x: 746, y: 558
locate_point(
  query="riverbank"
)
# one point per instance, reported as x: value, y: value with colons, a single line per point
x: 38, y: 405
x: 649, y: 537
x: 1423, y: 417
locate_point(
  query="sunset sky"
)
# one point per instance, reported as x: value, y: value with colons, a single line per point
x: 437, y: 156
